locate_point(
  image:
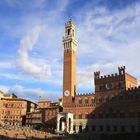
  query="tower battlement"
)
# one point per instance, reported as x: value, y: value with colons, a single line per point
x: 117, y: 81
x: 83, y: 94
x: 133, y: 89
x: 121, y: 71
x: 97, y: 74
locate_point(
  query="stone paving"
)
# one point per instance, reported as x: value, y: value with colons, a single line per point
x: 23, y: 133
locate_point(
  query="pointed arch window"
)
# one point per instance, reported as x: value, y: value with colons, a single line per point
x: 92, y: 100
x: 80, y: 101
x: 86, y: 100
x: 80, y: 116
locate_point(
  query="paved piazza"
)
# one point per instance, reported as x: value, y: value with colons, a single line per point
x: 23, y: 133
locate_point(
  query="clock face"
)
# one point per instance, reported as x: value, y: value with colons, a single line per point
x: 66, y: 93
x: 108, y: 85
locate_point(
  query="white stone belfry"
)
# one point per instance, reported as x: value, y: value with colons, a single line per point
x: 65, y: 123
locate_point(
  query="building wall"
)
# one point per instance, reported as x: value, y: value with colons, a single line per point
x: 44, y: 104
x: 44, y: 118
x: 127, y: 125
x: 120, y: 114
x: 130, y: 81
x: 13, y: 110
x: 50, y: 116
x: 35, y: 119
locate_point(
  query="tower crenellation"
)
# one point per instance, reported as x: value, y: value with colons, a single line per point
x: 97, y: 75
x: 121, y: 70
x: 133, y: 88
x: 84, y: 94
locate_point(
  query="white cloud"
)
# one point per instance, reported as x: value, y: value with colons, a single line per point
x: 21, y: 4
x: 120, y: 26
x: 24, y: 63
x: 7, y: 64
x: 4, y: 88
x: 85, y: 76
x: 108, y: 39
x: 31, y: 94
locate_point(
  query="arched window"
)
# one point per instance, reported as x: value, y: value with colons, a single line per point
x: 86, y: 100
x: 86, y: 115
x: 74, y: 128
x: 80, y: 101
x: 80, y: 128
x: 68, y: 32
x: 92, y: 100
x: 69, y: 124
x: 80, y: 116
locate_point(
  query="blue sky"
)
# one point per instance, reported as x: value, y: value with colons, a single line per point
x: 31, y: 51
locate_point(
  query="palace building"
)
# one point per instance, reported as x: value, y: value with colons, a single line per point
x: 113, y: 108
x: 13, y: 110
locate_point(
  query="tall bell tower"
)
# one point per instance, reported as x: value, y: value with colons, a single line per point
x: 69, y: 65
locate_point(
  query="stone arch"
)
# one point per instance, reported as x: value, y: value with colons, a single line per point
x: 64, y: 122
x: 69, y: 124
x: 62, y: 126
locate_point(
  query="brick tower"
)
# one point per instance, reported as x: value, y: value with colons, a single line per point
x: 69, y: 66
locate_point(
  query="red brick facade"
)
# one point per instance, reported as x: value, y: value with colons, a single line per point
x: 13, y: 111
